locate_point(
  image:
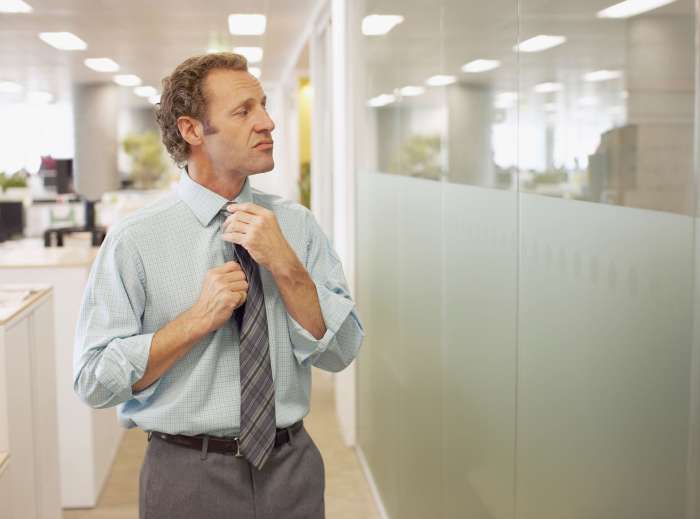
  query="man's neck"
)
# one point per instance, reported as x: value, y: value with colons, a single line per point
x: 224, y: 184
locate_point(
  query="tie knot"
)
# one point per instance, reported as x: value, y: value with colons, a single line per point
x: 223, y: 209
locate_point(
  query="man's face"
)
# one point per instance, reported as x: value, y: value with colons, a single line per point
x: 237, y: 128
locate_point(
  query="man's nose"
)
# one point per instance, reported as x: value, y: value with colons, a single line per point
x: 264, y: 123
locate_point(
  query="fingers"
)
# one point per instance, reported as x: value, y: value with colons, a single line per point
x: 234, y: 237
x: 240, y: 216
x: 235, y: 225
x: 248, y: 208
x: 238, y: 286
x: 229, y: 266
x: 244, y: 296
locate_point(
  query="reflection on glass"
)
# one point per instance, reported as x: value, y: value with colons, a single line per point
x: 603, y: 111
x: 527, y: 353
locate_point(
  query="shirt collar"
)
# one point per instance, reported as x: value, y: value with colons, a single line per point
x: 204, y: 203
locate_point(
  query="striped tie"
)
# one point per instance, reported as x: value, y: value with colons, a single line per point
x: 258, y: 427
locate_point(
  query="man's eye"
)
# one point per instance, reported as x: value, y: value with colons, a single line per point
x: 242, y: 112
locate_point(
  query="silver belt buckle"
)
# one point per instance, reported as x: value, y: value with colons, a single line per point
x: 237, y: 452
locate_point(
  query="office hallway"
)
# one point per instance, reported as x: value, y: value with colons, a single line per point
x: 347, y: 493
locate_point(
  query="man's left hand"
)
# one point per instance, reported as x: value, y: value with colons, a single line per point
x: 256, y: 229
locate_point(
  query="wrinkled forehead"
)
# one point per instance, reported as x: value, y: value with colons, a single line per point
x: 230, y: 87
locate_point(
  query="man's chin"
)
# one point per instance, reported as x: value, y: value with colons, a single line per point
x: 263, y: 168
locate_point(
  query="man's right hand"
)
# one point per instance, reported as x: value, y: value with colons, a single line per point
x: 225, y: 288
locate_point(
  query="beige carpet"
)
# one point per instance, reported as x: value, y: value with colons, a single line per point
x: 347, y: 493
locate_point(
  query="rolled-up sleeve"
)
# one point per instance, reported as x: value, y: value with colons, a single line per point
x: 344, y: 333
x: 110, y: 351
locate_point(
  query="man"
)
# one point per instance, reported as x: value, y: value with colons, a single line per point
x: 204, y: 313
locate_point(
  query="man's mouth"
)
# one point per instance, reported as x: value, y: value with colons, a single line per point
x: 264, y: 145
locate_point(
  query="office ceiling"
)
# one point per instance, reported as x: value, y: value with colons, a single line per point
x: 440, y: 37
x: 147, y: 38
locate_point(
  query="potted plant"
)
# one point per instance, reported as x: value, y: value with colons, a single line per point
x: 147, y: 164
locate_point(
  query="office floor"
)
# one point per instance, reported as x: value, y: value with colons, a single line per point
x: 347, y: 493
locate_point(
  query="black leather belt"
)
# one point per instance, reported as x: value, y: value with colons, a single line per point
x: 229, y: 446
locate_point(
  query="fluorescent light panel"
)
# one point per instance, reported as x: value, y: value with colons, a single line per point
x: 602, y: 75
x: 548, y: 87
x: 630, y: 8
x: 381, y: 100
x: 481, y: 65
x: 63, y: 40
x: 10, y: 87
x: 380, y: 24
x: 440, y: 80
x: 540, y: 42
x: 145, y: 91
x: 252, y: 54
x: 102, y: 64
x: 247, y: 24
x: 412, y: 91
x: 127, y: 80
x: 15, y: 6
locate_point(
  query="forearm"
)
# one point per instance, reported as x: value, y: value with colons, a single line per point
x: 170, y: 344
x: 300, y: 297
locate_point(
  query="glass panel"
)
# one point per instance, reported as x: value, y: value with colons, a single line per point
x: 605, y: 292
x: 436, y: 252
x: 606, y: 111
x: 529, y: 346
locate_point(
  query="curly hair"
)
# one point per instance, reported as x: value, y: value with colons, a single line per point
x: 183, y: 95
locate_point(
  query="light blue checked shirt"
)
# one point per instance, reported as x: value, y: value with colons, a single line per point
x: 151, y: 268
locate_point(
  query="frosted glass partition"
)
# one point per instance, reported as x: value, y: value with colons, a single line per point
x: 479, y: 351
x: 605, y: 334
x: 528, y: 263
x: 436, y: 384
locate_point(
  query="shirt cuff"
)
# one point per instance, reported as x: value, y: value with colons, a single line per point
x: 124, y: 363
x: 335, y: 309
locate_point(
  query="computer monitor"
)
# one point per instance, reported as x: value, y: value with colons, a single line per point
x: 64, y: 176
x: 11, y: 219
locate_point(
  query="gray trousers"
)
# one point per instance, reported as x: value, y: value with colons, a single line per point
x: 176, y: 483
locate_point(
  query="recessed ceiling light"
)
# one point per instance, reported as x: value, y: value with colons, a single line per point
x: 440, y: 80
x: 602, y: 75
x: 14, y: 6
x: 127, y: 80
x: 63, y: 40
x: 540, y: 42
x: 548, y: 87
x: 252, y: 54
x: 381, y: 100
x: 632, y: 8
x: 154, y: 99
x: 247, y: 24
x: 481, y: 65
x: 39, y: 97
x: 379, y: 24
x: 10, y: 87
x: 145, y: 91
x: 102, y: 64
x: 411, y: 91
x: 255, y: 71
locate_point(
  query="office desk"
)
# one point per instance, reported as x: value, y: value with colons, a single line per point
x: 88, y: 438
x: 28, y: 408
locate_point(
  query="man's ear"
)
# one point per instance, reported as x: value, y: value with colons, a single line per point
x: 191, y: 130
